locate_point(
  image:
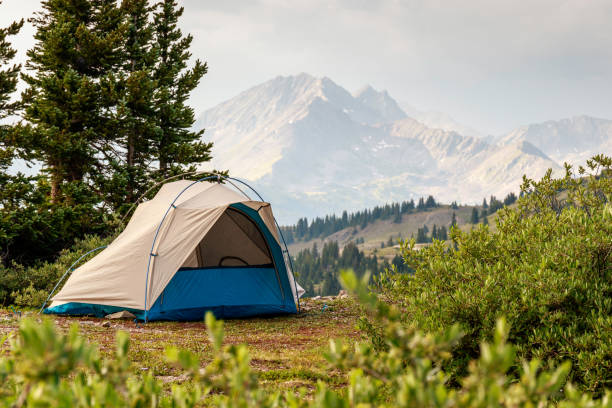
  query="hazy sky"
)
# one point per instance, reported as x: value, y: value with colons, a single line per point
x: 492, y: 65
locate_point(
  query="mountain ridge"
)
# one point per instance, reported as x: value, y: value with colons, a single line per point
x: 314, y: 148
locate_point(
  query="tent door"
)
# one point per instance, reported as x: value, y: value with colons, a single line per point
x: 234, y: 241
x: 268, y: 249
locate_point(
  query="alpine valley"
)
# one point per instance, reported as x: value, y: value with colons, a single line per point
x: 313, y: 148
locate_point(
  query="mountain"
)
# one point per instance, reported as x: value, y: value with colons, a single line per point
x: 441, y: 120
x: 313, y: 148
x: 386, y: 107
x: 568, y: 140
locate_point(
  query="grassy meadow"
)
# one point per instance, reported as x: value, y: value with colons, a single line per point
x: 287, y: 352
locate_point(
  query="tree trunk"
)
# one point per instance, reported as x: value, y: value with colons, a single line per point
x: 56, y: 180
x: 130, y: 167
x: 163, y: 162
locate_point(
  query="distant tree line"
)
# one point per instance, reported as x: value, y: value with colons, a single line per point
x: 438, y: 233
x: 318, y: 270
x: 322, y: 227
x: 490, y: 208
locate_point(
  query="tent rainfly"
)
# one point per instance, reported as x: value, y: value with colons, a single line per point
x: 196, y: 246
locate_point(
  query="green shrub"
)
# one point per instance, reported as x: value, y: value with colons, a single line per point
x: 30, y: 286
x: 546, y: 267
x: 45, y: 368
x: 33, y: 230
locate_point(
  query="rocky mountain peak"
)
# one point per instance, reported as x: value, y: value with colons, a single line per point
x: 381, y: 102
x: 313, y: 148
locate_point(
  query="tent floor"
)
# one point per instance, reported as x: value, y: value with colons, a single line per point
x: 229, y: 292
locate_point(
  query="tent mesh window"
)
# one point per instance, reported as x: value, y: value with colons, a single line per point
x: 234, y: 240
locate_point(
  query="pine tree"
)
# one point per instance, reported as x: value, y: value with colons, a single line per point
x: 510, y: 199
x: 68, y: 109
x: 8, y: 84
x: 68, y: 100
x: 69, y: 125
x: 345, y: 218
x: 421, y: 236
x: 431, y: 202
x: 453, y: 220
x: 331, y: 286
x: 177, y: 145
x: 474, y: 219
x: 494, y: 205
x: 485, y: 220
x: 397, y: 215
x: 484, y: 203
x: 9, y: 197
x: 442, y: 234
x: 421, y: 204
x: 8, y: 78
x: 136, y: 116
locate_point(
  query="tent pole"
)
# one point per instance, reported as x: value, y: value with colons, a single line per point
x: 244, y: 183
x: 66, y: 273
x: 290, y: 264
x: 239, y: 189
x: 191, y: 173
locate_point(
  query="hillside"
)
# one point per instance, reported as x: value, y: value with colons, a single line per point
x: 379, y: 232
x: 380, y: 236
x: 367, y: 241
x: 311, y: 148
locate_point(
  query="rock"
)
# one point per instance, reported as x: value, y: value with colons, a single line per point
x: 124, y: 314
x: 106, y: 324
x: 342, y: 293
x: 173, y: 379
x: 345, y: 296
x: 316, y: 298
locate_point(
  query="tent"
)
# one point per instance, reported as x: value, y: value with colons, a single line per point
x: 194, y: 247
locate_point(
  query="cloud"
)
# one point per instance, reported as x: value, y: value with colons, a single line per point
x: 493, y: 64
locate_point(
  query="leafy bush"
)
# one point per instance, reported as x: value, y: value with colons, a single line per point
x: 32, y: 229
x: 46, y: 368
x: 30, y: 286
x: 546, y: 267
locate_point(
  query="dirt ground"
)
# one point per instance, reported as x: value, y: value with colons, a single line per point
x: 286, y: 351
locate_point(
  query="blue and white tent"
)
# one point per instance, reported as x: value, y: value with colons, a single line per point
x: 196, y: 246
